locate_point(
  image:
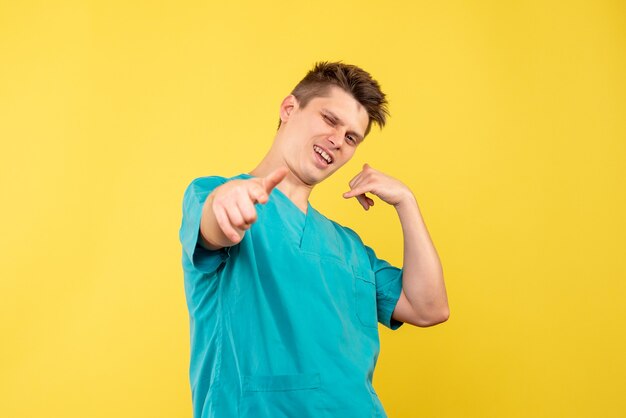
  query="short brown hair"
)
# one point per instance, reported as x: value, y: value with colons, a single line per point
x: 352, y: 80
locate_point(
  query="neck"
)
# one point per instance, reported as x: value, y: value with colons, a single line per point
x: 291, y: 186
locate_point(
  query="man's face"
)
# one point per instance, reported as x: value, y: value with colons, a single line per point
x: 322, y: 137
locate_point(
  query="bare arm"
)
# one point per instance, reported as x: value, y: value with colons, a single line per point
x: 423, y: 301
x: 422, y: 275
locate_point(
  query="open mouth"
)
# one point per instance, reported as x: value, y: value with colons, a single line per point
x: 322, y: 155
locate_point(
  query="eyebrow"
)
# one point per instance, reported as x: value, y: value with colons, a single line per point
x: 340, y: 122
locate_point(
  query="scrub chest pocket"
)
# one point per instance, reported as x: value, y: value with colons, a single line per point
x: 280, y: 395
x: 365, y: 298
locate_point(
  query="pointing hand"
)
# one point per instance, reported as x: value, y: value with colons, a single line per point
x: 233, y: 202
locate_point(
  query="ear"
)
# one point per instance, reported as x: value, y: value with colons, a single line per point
x: 289, y: 104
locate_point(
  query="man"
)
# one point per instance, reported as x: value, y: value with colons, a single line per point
x: 284, y: 303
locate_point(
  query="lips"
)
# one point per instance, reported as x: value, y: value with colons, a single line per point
x: 319, y: 161
x: 326, y: 151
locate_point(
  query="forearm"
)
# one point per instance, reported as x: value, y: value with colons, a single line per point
x: 422, y: 279
x: 211, y: 234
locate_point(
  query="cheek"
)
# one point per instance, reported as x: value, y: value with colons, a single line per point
x: 349, y: 153
x: 344, y: 159
x: 317, y: 125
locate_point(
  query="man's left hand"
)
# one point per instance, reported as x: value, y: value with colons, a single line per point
x: 369, y: 180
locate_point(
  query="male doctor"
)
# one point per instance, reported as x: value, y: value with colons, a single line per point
x: 284, y: 303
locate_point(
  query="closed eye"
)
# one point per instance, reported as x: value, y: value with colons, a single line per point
x: 332, y: 123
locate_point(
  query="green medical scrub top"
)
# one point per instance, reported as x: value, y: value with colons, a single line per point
x: 285, y: 323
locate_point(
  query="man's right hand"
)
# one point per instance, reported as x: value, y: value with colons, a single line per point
x: 229, y: 210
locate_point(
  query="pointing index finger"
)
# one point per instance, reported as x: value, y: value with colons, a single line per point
x: 275, y: 177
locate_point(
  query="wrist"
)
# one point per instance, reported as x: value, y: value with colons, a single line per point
x: 407, y: 200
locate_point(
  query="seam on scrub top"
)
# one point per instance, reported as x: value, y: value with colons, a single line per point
x: 220, y: 332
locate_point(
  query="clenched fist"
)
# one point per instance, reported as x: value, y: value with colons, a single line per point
x: 229, y: 210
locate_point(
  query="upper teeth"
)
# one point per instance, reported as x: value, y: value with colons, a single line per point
x: 322, y: 153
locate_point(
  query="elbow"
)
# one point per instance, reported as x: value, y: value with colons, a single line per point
x: 434, y: 318
x: 444, y: 315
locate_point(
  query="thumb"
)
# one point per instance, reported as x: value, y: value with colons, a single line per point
x: 275, y: 177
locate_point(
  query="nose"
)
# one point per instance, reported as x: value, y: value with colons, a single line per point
x: 337, y: 138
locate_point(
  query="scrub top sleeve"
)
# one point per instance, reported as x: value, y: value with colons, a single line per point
x: 200, y: 258
x: 388, y: 289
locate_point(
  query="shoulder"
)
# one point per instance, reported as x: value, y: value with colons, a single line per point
x: 206, y: 184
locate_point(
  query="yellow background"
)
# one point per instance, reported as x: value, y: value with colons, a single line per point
x: 508, y: 123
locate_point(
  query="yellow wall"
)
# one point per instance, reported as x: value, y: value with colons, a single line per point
x: 508, y: 123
